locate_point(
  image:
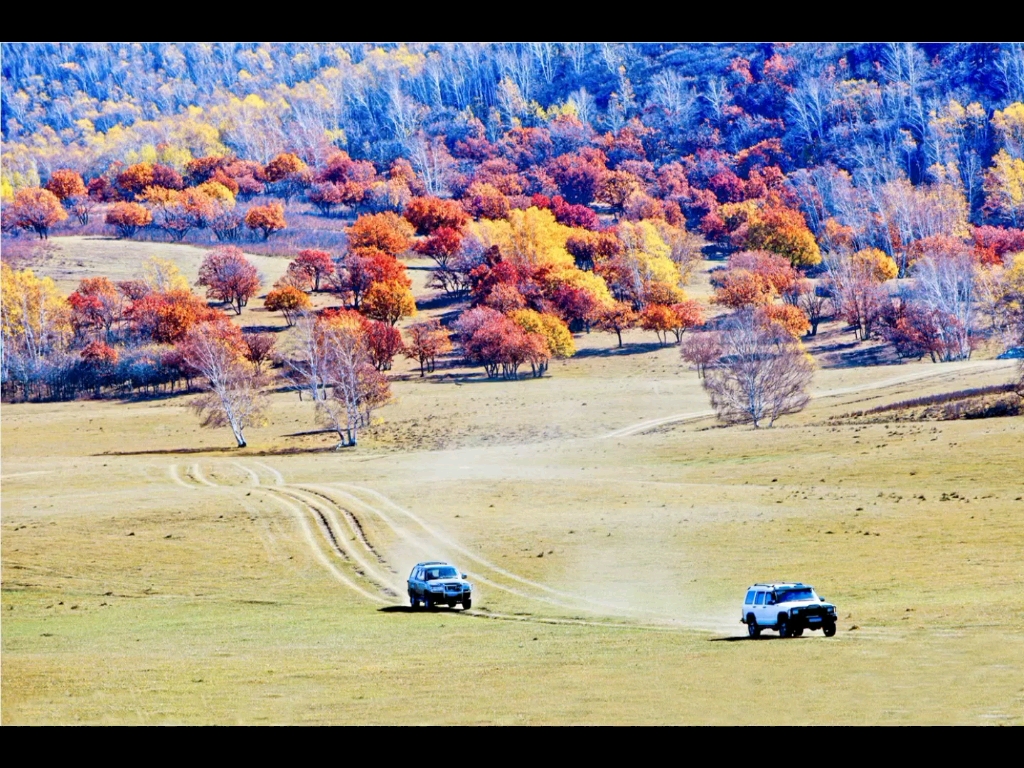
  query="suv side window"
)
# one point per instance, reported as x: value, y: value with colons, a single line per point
x: 770, y: 599
x: 750, y: 597
x: 760, y: 598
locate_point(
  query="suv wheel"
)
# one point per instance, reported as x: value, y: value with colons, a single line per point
x: 428, y: 604
x: 829, y: 629
x: 783, y: 626
x: 413, y: 601
x: 467, y: 603
x: 752, y: 629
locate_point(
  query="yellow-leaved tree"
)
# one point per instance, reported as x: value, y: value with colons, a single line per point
x: 1004, y: 188
x: 36, y: 318
x: 527, y: 238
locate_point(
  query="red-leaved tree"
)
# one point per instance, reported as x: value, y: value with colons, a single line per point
x: 229, y: 277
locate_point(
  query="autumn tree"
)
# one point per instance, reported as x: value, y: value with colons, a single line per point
x: 427, y: 340
x: 268, y: 219
x: 738, y: 288
x: 36, y: 324
x: 947, y: 285
x: 383, y: 341
x: 557, y: 337
x: 387, y: 232
x: 701, y: 350
x: 66, y: 184
x: 166, y: 317
x: 617, y: 318
x: 282, y: 166
x: 135, y: 178
x: 289, y: 301
x: 360, y: 269
x: 777, y: 228
x: 428, y: 214
x: 217, y: 351
x: 229, y: 277
x: 857, y: 292
x: 325, y: 196
x: 315, y: 265
x: 128, y: 218
x: 814, y: 301
x: 761, y: 375
x: 97, y: 303
x: 499, y: 344
x: 37, y: 209
x: 686, y: 314
x: 658, y: 318
x: 389, y: 302
x: 580, y: 175
x: 357, y: 387
x: 1004, y: 189
x: 259, y: 348
x: 789, y: 318
x: 441, y: 245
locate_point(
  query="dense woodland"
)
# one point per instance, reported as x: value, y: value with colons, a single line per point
x: 558, y: 189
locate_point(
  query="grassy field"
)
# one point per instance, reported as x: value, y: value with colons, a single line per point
x: 151, y: 574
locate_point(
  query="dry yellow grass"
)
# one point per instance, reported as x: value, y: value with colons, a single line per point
x: 145, y: 582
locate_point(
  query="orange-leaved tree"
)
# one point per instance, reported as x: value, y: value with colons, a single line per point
x: 37, y: 209
x: 97, y: 303
x: 428, y: 214
x: 289, y: 301
x: 65, y: 184
x: 389, y: 302
x: 268, y: 219
x: 128, y: 218
x: 617, y: 317
x: 386, y: 231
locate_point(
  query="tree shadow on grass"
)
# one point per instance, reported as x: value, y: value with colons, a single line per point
x: 623, y: 351
x: 224, y: 450
x: 264, y: 328
x: 440, y: 301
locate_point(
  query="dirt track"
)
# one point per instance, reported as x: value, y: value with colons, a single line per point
x: 644, y: 426
x: 346, y: 552
x: 332, y: 516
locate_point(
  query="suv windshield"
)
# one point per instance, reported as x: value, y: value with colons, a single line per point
x: 446, y: 572
x: 794, y: 595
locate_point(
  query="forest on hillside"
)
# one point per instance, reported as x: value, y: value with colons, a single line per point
x: 557, y: 187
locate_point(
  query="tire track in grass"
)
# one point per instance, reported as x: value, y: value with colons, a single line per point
x: 564, y: 600
x: 329, y: 520
x: 199, y: 477
x: 278, y: 477
x: 298, y: 506
x: 417, y: 542
x: 318, y: 553
x: 172, y: 470
x: 252, y: 475
x: 324, y: 511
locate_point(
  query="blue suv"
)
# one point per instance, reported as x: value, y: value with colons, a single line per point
x: 436, y: 582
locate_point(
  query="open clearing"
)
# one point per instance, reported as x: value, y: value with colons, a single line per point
x: 153, y: 575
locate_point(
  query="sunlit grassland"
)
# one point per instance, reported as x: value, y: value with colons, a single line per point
x: 147, y: 579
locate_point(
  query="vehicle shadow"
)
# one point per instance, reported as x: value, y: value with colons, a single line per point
x: 743, y: 638
x: 409, y: 609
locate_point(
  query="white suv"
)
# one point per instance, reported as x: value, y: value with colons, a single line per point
x: 787, y: 608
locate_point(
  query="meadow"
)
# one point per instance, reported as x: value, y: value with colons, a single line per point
x: 154, y: 574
